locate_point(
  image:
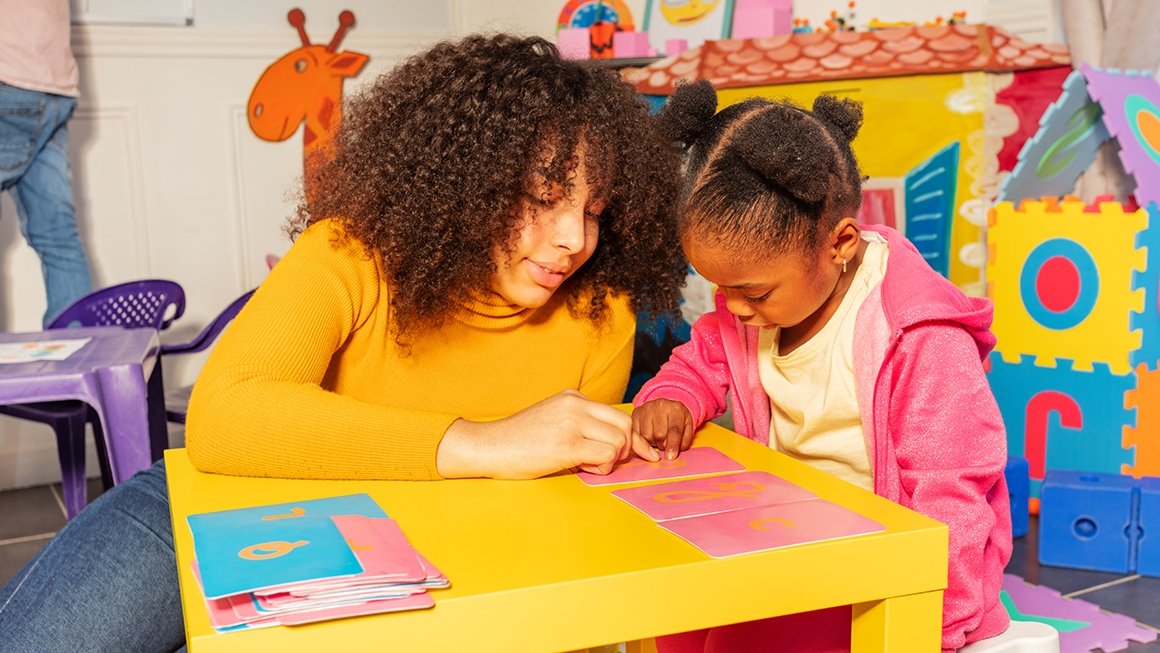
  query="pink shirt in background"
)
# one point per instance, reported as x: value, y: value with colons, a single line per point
x: 35, y: 52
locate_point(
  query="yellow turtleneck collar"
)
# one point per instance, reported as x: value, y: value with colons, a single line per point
x: 488, y: 310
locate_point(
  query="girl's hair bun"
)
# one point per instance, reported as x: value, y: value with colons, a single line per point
x: 778, y: 144
x: 842, y: 115
x: 688, y: 111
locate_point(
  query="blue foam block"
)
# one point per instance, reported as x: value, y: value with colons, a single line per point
x: 1086, y: 521
x: 1018, y: 473
x: 1148, y: 549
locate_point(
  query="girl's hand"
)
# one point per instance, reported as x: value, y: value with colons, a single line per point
x: 564, y: 431
x: 665, y: 424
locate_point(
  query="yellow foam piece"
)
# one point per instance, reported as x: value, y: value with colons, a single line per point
x: 1109, y: 236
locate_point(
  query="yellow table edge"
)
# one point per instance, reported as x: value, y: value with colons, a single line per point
x: 601, y: 594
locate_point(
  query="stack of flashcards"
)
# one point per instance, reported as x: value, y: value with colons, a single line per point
x: 731, y: 513
x: 295, y: 563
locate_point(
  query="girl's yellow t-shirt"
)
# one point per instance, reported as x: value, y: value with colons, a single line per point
x: 814, y: 405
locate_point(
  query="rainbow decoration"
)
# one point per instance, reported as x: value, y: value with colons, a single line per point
x: 585, y: 13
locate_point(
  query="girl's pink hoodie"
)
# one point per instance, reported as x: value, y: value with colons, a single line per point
x: 933, y: 430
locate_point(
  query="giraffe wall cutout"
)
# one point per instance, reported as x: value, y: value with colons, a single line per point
x: 305, y: 86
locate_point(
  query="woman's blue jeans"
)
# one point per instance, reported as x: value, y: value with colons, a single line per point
x: 34, y: 166
x: 106, y: 582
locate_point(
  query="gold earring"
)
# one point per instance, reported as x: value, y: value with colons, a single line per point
x: 843, y: 266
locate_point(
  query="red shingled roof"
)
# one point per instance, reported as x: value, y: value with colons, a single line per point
x: 816, y: 56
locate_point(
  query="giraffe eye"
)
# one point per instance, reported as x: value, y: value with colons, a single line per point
x: 300, y: 65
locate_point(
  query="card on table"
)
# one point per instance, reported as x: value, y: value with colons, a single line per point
x: 770, y: 527
x: 285, y: 602
x: 703, y: 496
x: 386, y: 555
x: 698, y: 461
x: 413, y: 602
x: 268, y: 546
x: 381, y: 547
x: 41, y: 350
x: 242, y: 611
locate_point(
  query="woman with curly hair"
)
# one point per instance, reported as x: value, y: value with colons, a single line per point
x: 459, y: 302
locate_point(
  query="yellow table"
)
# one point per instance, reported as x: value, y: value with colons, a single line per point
x: 553, y: 565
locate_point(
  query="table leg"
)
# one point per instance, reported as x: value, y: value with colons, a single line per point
x: 126, y: 411
x: 158, y: 423
x: 899, y: 624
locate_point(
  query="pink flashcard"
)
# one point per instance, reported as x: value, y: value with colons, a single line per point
x: 287, y: 603
x: 434, y: 576
x: 770, y: 527
x: 224, y: 613
x: 221, y: 613
x: 381, y: 547
x: 353, y: 593
x: 703, y: 496
x: 413, y: 602
x: 232, y: 610
x: 697, y: 461
x: 242, y: 609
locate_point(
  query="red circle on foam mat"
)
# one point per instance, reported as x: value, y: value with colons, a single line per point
x: 1057, y: 284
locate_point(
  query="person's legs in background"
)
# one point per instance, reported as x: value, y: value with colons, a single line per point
x: 106, y: 582
x: 34, y: 165
x: 44, y: 202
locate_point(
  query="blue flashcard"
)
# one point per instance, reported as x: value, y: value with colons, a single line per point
x: 266, y: 546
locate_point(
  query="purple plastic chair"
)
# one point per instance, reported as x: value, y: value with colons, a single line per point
x: 154, y: 303
x: 177, y: 401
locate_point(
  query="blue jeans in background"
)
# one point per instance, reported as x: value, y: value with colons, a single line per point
x: 106, y: 582
x: 34, y: 166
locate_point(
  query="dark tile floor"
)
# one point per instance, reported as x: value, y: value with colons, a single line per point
x: 31, y: 516
x: 1135, y: 596
x: 28, y: 518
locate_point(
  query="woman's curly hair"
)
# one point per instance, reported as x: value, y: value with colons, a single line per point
x: 435, y: 160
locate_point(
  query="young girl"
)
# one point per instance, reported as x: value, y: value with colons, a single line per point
x: 836, y: 344
x: 492, y: 221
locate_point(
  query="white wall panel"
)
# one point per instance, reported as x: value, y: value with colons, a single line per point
x: 1036, y: 21
x: 264, y: 199
x: 105, y: 149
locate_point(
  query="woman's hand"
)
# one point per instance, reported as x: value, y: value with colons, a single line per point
x: 564, y: 431
x: 665, y: 424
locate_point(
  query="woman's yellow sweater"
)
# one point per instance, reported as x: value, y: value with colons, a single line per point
x: 307, y: 382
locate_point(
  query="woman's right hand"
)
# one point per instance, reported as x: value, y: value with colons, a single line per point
x: 665, y: 424
x: 566, y: 430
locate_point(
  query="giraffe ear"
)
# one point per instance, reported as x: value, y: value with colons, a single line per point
x: 346, y: 64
